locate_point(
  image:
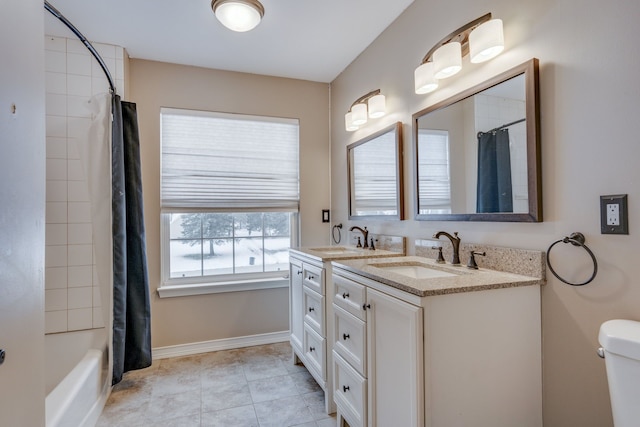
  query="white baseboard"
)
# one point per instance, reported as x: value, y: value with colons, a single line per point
x: 216, y: 345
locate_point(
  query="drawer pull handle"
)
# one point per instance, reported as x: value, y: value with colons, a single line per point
x: 311, y: 309
x: 345, y: 388
x: 366, y: 306
x: 299, y: 271
x: 345, y: 336
x: 311, y: 277
x: 345, y: 295
x: 312, y: 348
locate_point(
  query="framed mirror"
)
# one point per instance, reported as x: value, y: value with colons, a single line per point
x: 477, y: 154
x: 374, y: 170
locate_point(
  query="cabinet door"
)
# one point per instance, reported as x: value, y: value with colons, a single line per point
x: 296, y: 314
x: 395, y: 361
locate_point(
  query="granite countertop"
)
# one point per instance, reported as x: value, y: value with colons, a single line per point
x: 453, y: 279
x: 330, y: 253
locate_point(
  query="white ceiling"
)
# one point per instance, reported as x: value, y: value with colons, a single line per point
x: 303, y: 39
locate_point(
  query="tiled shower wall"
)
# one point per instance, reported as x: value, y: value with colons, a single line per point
x: 72, y: 295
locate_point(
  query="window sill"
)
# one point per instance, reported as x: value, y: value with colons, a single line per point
x: 170, y: 291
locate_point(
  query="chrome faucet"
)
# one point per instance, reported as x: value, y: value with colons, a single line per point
x: 455, y: 242
x: 365, y: 235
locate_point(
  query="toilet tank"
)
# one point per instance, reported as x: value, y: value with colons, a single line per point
x: 620, y: 340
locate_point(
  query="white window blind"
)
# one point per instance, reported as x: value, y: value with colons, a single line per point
x: 374, y: 176
x: 435, y: 180
x: 218, y: 161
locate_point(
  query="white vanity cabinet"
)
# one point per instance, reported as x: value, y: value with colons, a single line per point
x: 296, y: 314
x: 311, y: 297
x: 308, y: 321
x: 469, y: 358
x: 378, y: 357
x: 394, y: 361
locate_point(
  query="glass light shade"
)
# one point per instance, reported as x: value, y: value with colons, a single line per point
x: 238, y: 15
x: 348, y: 122
x: 424, y: 80
x: 377, y: 106
x: 486, y: 41
x: 359, y: 114
x: 447, y: 60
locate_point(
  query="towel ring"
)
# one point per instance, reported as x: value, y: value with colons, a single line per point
x: 576, y: 239
x: 333, y: 234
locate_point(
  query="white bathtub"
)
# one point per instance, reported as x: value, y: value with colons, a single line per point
x: 77, y: 399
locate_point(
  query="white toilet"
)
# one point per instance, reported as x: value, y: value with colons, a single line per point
x: 620, y: 341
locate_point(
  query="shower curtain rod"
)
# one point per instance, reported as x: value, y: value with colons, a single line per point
x: 504, y: 126
x: 83, y: 39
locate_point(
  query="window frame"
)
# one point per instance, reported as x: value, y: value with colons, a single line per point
x: 235, y: 282
x: 174, y: 287
x: 442, y: 208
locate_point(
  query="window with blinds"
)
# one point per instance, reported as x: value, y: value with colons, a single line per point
x: 434, y: 171
x: 218, y: 161
x: 229, y: 196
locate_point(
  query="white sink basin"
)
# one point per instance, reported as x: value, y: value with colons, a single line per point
x: 415, y: 270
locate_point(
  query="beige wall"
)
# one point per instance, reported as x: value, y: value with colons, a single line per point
x: 589, y: 108
x: 22, y: 213
x: 191, y: 319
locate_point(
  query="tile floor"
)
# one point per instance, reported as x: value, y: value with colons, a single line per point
x: 253, y: 386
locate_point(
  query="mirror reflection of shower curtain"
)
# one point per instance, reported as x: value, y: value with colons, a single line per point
x: 494, y: 193
x: 131, y: 303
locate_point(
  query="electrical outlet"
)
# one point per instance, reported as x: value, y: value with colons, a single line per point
x: 613, y: 214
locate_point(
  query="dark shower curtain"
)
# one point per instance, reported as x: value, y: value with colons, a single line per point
x: 494, y: 192
x: 131, y: 311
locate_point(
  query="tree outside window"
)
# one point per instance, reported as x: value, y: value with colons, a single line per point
x: 204, y: 244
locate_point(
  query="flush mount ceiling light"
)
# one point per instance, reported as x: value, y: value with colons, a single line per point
x: 482, y: 39
x: 238, y: 15
x: 371, y: 105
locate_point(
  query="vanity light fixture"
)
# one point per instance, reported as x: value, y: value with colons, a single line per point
x: 447, y: 60
x: 482, y: 39
x: 372, y: 105
x: 359, y: 114
x: 238, y: 15
x: 486, y: 41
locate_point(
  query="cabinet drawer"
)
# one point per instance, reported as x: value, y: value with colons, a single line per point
x: 350, y: 339
x: 313, y: 277
x: 350, y: 296
x: 315, y: 349
x: 314, y: 310
x: 350, y: 392
x: 295, y: 262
